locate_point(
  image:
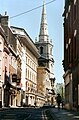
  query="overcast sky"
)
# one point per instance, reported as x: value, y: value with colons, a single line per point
x: 30, y: 21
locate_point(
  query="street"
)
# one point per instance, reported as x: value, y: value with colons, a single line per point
x: 37, y: 114
x: 22, y: 114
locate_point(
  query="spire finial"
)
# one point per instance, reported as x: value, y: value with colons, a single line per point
x: 43, y: 2
x: 43, y: 36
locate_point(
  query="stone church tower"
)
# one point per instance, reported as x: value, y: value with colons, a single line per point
x: 45, y: 45
x: 45, y: 72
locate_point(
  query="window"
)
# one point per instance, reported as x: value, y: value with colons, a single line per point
x: 41, y: 50
x: 51, y: 50
x: 26, y: 59
x: 74, y: 11
x: 69, y: 23
x: 69, y: 53
x: 28, y: 73
x: 75, y: 47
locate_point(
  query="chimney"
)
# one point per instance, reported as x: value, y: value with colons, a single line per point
x: 4, y: 22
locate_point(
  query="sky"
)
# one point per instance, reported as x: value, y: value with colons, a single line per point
x: 31, y: 20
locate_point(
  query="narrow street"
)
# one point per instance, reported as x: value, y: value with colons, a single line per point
x: 23, y: 114
x: 37, y: 114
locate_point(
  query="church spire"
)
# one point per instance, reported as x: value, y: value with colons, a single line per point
x: 43, y: 36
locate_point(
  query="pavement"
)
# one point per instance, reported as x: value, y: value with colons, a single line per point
x: 4, y: 108
x: 63, y: 114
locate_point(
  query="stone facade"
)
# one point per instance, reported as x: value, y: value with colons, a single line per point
x: 2, y: 41
x: 44, y: 84
x: 71, y: 54
x: 46, y: 61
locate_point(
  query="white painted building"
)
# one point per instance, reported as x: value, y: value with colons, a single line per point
x: 29, y: 64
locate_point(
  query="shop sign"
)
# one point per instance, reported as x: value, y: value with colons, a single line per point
x: 14, y: 78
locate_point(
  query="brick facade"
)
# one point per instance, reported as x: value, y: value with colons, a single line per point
x: 71, y: 52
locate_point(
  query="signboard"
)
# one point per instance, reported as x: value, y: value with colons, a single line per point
x: 14, y: 78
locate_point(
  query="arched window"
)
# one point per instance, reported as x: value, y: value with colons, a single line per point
x: 51, y: 50
x: 41, y: 50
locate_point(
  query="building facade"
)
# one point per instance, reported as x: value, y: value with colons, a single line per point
x: 9, y: 65
x: 29, y: 63
x: 2, y: 41
x: 44, y: 86
x: 71, y: 53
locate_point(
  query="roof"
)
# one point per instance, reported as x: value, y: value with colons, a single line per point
x: 26, y: 39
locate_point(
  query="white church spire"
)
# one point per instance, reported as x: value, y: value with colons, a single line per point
x: 43, y: 36
x: 44, y: 45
